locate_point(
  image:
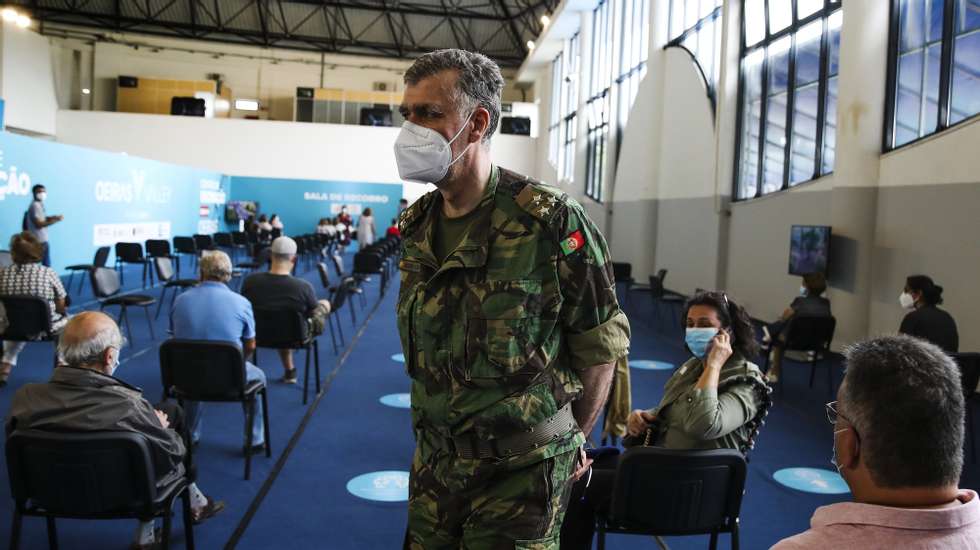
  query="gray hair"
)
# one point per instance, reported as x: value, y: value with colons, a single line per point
x: 478, y: 83
x: 215, y: 266
x: 89, y: 352
x: 276, y: 257
x: 904, y: 398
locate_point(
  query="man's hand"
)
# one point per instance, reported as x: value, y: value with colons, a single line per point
x: 163, y: 418
x: 584, y: 463
x: 638, y: 421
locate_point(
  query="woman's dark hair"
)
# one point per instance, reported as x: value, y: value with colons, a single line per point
x: 815, y: 283
x: 25, y: 248
x: 932, y: 294
x: 367, y: 212
x: 263, y: 218
x: 733, y: 317
x: 274, y: 217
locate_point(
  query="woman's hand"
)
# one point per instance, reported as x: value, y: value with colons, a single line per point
x: 638, y: 422
x: 721, y: 350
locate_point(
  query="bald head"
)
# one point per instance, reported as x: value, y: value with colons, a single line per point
x: 92, y: 340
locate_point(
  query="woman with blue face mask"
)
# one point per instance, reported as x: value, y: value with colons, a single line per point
x: 707, y: 404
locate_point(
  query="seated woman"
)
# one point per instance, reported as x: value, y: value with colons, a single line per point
x: 926, y: 320
x: 810, y: 302
x: 707, y: 404
x: 27, y: 277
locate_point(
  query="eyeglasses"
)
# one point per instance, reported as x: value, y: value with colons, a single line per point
x: 833, y: 414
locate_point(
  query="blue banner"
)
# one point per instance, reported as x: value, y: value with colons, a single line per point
x: 104, y: 197
x: 301, y: 203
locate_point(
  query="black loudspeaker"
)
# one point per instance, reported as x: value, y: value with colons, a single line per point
x: 375, y: 116
x: 129, y: 82
x: 517, y: 125
x: 187, y: 106
x: 306, y: 93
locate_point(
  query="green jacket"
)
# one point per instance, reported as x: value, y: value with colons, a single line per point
x: 495, y: 336
x: 690, y: 418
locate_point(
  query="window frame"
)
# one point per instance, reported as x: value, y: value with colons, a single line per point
x: 946, y: 63
x: 678, y: 42
x: 568, y: 111
x: 598, y: 106
x: 824, y: 14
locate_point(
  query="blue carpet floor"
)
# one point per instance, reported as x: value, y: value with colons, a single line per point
x: 298, y: 498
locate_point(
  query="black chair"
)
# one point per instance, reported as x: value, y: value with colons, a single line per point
x: 28, y: 320
x: 623, y: 273
x: 239, y: 241
x: 224, y: 241
x: 95, y: 475
x: 355, y: 288
x: 185, y: 246
x: 666, y: 492
x: 203, y: 242
x: 261, y: 256
x: 283, y: 329
x: 105, y: 286
x: 208, y: 370
x: 337, y: 296
x: 165, y: 274
x: 806, y: 334
x: 132, y: 253
x: 6, y: 260
x: 368, y: 263
x: 969, y: 364
x: 100, y: 259
x: 160, y: 248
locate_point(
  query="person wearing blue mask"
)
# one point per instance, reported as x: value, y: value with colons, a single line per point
x: 708, y: 403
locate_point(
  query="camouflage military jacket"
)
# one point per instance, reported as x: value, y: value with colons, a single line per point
x: 494, y: 336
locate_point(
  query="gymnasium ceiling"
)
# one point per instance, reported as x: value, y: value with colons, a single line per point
x: 386, y: 28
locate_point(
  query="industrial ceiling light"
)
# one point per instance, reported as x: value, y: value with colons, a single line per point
x: 23, y: 21
x: 530, y: 45
x: 545, y: 20
x: 86, y: 91
x: 9, y: 14
x: 246, y: 105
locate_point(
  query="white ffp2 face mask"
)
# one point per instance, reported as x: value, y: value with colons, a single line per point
x: 906, y: 300
x: 42, y: 196
x: 423, y: 155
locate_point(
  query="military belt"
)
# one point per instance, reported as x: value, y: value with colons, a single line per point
x: 551, y: 429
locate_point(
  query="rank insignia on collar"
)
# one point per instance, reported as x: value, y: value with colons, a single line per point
x: 572, y: 242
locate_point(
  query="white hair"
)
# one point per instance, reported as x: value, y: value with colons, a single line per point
x: 215, y: 266
x: 90, y: 351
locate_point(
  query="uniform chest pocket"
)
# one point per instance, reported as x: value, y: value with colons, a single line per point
x: 505, y: 324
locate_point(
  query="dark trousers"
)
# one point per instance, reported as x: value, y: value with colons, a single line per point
x: 587, y: 503
x: 178, y: 423
x: 46, y: 255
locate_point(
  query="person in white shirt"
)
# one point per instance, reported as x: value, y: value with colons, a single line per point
x: 365, y: 229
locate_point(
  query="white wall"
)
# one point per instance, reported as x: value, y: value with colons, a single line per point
x: 27, y: 81
x: 263, y: 148
x: 909, y: 211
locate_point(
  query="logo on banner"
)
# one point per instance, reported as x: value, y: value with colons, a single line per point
x: 205, y: 211
x: 108, y: 234
x: 211, y: 192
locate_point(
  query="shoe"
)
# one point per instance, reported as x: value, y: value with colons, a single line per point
x: 209, y: 510
x: 290, y: 377
x: 155, y: 545
x: 256, y: 449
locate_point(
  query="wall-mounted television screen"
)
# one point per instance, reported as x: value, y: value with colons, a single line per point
x: 809, y: 249
x: 236, y: 211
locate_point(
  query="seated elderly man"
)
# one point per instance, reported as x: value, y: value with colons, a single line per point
x: 28, y: 277
x: 83, y: 396
x: 212, y: 311
x: 278, y: 289
x: 898, y: 443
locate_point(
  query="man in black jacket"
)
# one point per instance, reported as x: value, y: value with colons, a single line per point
x: 83, y: 396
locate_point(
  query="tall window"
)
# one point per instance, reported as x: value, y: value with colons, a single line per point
x: 788, y: 93
x: 569, y: 109
x: 554, y: 140
x: 695, y: 25
x: 620, y: 43
x: 598, y: 105
x: 934, y: 67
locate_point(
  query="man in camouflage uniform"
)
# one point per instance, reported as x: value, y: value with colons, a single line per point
x: 509, y: 322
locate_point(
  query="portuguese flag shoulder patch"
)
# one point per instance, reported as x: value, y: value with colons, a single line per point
x: 572, y: 243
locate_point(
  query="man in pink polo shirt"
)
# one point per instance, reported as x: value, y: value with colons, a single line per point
x: 898, y: 443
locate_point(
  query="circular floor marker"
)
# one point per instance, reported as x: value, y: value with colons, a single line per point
x: 812, y: 480
x: 388, y: 486
x: 644, y: 364
x: 398, y: 357
x: 398, y: 400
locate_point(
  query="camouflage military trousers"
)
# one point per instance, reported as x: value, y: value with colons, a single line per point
x: 502, y: 509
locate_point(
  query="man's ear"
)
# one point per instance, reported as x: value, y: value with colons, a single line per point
x: 848, y: 449
x: 481, y: 124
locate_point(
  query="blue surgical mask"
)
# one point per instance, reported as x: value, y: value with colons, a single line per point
x: 698, y: 339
